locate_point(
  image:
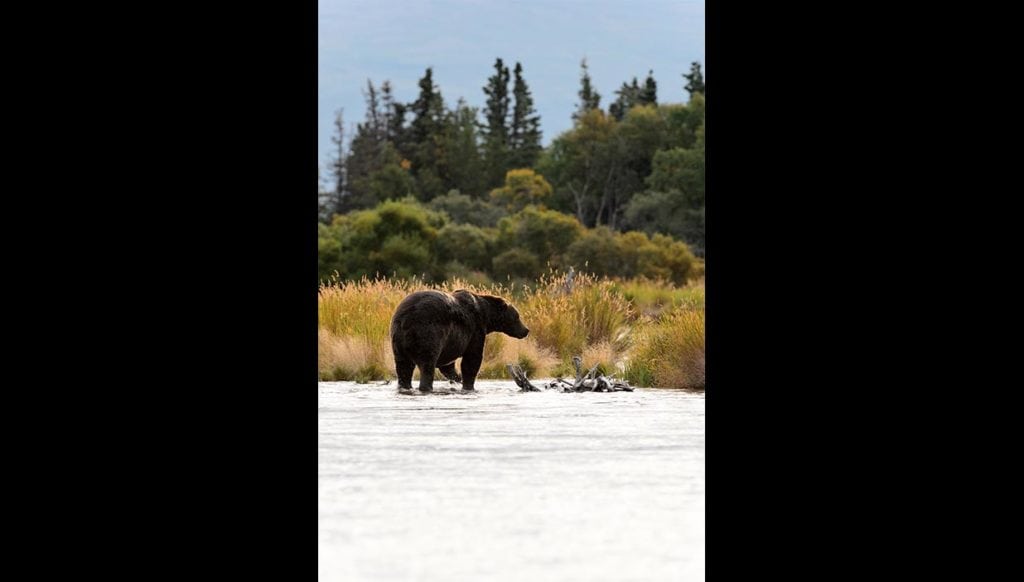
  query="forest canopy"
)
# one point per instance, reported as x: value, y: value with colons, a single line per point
x: 434, y: 191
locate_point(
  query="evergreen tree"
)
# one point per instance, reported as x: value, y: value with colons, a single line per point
x: 524, y: 141
x: 374, y: 115
x: 394, y: 120
x: 589, y: 98
x: 326, y: 200
x: 338, y: 160
x: 629, y: 95
x: 496, y: 131
x: 426, y: 134
x: 695, y: 80
x: 391, y: 181
x: 427, y: 110
x: 649, y: 94
x: 365, y: 156
x: 462, y: 145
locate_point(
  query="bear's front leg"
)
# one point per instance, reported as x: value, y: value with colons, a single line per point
x: 471, y: 361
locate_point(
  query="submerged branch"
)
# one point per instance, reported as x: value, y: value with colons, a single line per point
x: 519, y: 376
x: 583, y: 383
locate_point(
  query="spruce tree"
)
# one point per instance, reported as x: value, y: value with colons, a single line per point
x: 324, y: 199
x: 374, y: 115
x: 695, y: 80
x: 396, y: 131
x: 365, y: 155
x: 649, y: 94
x: 524, y: 141
x: 462, y: 148
x: 629, y: 95
x: 496, y: 131
x: 589, y: 98
x: 427, y: 110
x: 338, y: 160
x: 426, y: 135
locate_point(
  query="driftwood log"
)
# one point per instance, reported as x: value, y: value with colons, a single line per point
x: 582, y: 383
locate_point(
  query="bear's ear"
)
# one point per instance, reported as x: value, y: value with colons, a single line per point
x: 496, y: 302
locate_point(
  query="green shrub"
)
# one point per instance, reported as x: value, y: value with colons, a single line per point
x: 463, y: 209
x: 465, y: 243
x: 516, y: 263
x: 522, y: 188
x: 398, y: 237
x: 596, y: 252
x: 544, y: 233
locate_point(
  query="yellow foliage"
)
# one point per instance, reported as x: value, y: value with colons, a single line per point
x: 522, y: 188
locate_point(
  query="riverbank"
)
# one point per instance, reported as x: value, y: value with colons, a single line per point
x: 649, y: 333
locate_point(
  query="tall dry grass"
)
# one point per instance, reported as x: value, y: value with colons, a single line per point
x: 647, y: 331
x: 354, y: 317
x: 501, y: 350
x: 669, y: 353
x: 658, y: 298
x: 566, y: 320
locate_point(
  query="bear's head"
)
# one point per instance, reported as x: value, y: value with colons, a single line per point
x: 504, y: 317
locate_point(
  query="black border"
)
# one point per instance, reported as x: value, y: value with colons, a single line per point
x: 185, y: 209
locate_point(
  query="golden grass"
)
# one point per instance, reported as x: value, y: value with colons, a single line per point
x: 669, y: 353
x: 352, y: 358
x: 501, y: 350
x: 657, y: 298
x: 650, y: 332
x: 566, y: 322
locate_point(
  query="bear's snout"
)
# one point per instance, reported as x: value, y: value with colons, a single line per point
x: 523, y: 333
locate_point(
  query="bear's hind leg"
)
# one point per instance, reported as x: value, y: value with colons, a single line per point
x: 426, y: 377
x: 404, y: 369
x: 449, y: 372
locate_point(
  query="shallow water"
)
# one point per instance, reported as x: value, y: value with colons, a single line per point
x: 503, y: 485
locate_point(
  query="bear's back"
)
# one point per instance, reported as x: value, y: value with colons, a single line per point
x: 423, y: 308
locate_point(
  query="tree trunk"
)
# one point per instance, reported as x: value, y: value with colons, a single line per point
x: 605, y: 194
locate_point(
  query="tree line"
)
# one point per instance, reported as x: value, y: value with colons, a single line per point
x: 637, y: 166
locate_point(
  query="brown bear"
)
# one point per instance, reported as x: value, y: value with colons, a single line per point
x: 431, y: 329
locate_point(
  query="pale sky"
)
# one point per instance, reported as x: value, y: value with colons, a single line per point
x: 398, y: 39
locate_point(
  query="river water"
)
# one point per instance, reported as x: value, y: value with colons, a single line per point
x: 502, y: 485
